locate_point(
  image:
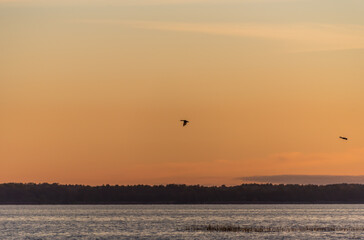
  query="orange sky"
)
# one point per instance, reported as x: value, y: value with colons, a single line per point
x: 92, y: 92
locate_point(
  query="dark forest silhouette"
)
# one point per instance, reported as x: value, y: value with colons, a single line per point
x: 30, y: 193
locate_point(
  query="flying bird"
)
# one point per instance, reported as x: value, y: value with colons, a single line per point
x: 184, y: 122
x: 343, y: 138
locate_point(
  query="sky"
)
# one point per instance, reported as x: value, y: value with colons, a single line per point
x: 92, y: 92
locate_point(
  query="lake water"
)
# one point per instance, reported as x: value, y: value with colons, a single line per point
x: 177, y: 221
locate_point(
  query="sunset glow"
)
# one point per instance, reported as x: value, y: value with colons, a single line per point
x: 93, y: 92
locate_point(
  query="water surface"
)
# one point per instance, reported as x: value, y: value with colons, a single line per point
x: 174, y: 221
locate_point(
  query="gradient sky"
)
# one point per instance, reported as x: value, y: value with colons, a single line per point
x: 92, y: 92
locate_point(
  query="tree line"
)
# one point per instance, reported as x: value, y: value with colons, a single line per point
x: 45, y: 193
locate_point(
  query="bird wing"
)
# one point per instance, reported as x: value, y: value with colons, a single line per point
x: 184, y: 122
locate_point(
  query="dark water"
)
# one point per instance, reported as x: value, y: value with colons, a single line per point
x: 175, y: 221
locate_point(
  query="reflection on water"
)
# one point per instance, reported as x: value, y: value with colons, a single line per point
x: 181, y: 221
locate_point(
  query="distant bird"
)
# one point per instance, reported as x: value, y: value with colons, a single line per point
x: 343, y: 138
x: 184, y: 122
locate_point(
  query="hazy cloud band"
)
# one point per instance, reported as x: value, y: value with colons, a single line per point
x: 305, y: 179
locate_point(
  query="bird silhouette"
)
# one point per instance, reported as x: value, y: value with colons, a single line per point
x: 343, y: 138
x: 184, y: 122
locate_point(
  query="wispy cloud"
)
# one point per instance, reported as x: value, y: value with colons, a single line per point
x: 299, y: 36
x: 305, y: 179
x: 148, y: 2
